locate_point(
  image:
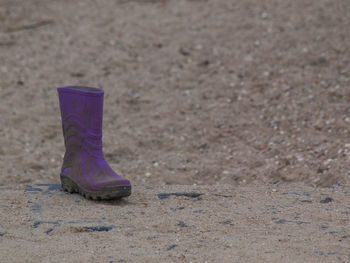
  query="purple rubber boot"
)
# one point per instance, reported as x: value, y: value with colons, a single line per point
x: 84, y: 168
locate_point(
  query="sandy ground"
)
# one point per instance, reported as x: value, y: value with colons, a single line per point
x: 259, y: 223
x: 215, y: 96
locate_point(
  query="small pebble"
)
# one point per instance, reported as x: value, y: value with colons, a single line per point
x: 170, y: 247
x: 326, y: 200
x: 49, y: 230
x: 182, y: 224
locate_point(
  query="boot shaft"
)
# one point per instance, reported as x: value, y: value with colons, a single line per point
x: 84, y: 105
x: 82, y: 114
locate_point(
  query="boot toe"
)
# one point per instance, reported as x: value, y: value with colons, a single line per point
x: 113, y: 183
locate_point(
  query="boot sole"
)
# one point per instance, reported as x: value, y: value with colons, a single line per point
x: 117, y: 192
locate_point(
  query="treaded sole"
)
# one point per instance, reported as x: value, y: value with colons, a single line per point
x: 117, y: 192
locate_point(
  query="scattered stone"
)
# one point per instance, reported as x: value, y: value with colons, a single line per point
x: 283, y: 221
x: 49, y: 230
x: 158, y: 45
x: 182, y: 224
x: 333, y: 232
x: 279, y: 221
x: 228, y: 222
x: 319, y: 61
x: 177, y: 194
x: 222, y: 195
x: 2, y: 234
x: 177, y: 208
x: 170, y: 247
x: 302, y: 222
x: 77, y: 75
x: 99, y: 228
x: 326, y: 200
x: 204, y: 63
x: 184, y: 52
x: 305, y: 201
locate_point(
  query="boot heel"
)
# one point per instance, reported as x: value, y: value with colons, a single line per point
x: 68, y: 185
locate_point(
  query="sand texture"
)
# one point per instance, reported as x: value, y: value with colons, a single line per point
x: 266, y: 223
x: 246, y: 102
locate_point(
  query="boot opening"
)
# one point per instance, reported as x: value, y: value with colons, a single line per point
x: 89, y: 89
